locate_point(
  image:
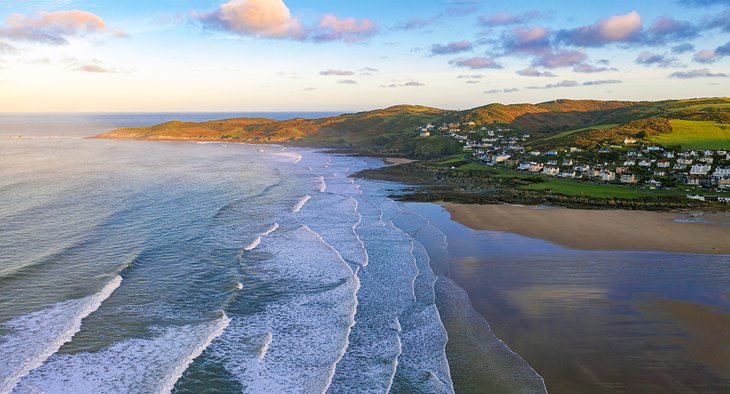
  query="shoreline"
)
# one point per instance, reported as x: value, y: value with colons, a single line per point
x: 613, y: 230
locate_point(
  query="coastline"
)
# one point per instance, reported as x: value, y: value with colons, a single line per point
x: 615, y: 230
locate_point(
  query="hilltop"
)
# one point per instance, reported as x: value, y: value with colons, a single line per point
x: 395, y: 130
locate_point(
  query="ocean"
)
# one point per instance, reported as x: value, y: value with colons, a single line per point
x: 132, y: 266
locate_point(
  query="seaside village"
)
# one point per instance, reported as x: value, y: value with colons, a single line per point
x: 703, y: 174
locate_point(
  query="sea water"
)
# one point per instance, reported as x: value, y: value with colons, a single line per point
x: 132, y: 266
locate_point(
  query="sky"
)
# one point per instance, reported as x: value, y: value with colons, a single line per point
x: 327, y: 55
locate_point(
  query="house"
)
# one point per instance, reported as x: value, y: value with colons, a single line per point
x: 573, y: 149
x: 680, y: 167
x: 644, y: 163
x: 536, y: 167
x: 425, y: 133
x: 706, y: 159
x: 654, y: 149
x: 621, y: 170
x: 551, y: 171
x: 628, y: 178
x: 699, y: 169
x: 696, y: 197
x: 568, y: 162
x: 721, y: 152
x: 524, y: 166
x: 629, y: 141
x: 686, y: 162
x: 552, y: 162
x: 608, y: 176
x: 552, y: 153
x: 669, y: 155
x: 630, y: 163
x: 566, y: 174
x: 660, y: 173
x: 721, y: 172
x: 663, y: 164
x: 723, y: 183
x: 535, y: 153
x: 582, y: 168
x: 501, y: 158
x: 604, y: 150
x: 692, y: 181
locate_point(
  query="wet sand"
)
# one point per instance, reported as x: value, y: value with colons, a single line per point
x: 603, y: 229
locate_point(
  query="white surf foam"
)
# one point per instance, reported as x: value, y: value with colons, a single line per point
x: 322, y: 185
x: 300, y: 204
x: 268, y: 338
x: 168, y: 383
x: 38, y: 335
x: 151, y: 365
x: 256, y: 242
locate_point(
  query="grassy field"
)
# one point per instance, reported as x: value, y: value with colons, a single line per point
x: 569, y: 132
x: 573, y: 188
x: 696, y: 135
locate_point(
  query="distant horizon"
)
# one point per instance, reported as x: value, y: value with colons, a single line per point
x: 345, y: 111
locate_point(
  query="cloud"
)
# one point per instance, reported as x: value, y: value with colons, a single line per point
x: 615, y: 29
x: 52, y: 28
x: 451, y: 48
x: 533, y: 72
x: 602, y: 82
x: 347, y: 82
x: 683, y: 48
x: 665, y: 29
x: 507, y: 90
x: 262, y: 18
x: 560, y: 58
x: 561, y: 84
x: 521, y: 40
x: 413, y: 83
x: 272, y: 19
x: 647, y: 58
x: 469, y: 76
x: 407, y: 84
x: 701, y: 73
x: 721, y: 21
x: 472, y: 82
x: 416, y: 23
x: 586, y: 68
x: 92, y: 68
x: 475, y: 63
x: 506, y: 18
x: 348, y: 29
x: 336, y: 72
x: 369, y: 69
x: 8, y: 49
x: 308, y: 89
x: 461, y: 7
x: 712, y: 55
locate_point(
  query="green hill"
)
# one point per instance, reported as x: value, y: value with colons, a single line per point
x: 694, y: 123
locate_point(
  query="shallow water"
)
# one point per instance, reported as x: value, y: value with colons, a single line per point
x: 187, y: 267
x: 598, y: 321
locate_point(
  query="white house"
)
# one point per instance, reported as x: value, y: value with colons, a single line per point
x: 663, y: 164
x: 551, y: 171
x: 566, y: 174
x: 721, y: 172
x: 699, y: 169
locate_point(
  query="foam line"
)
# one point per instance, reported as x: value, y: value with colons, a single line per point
x: 27, y: 328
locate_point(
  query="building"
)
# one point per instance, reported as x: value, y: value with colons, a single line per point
x: 663, y: 164
x: 608, y: 176
x: 566, y: 174
x: 551, y: 171
x: 699, y: 169
x: 628, y: 178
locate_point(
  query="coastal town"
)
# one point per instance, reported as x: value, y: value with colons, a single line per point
x: 702, y: 174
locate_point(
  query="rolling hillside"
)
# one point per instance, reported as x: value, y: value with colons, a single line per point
x: 586, y: 123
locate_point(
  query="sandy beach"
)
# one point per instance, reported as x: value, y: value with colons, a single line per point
x: 397, y: 160
x: 603, y: 229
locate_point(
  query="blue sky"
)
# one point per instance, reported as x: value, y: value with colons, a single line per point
x: 260, y: 55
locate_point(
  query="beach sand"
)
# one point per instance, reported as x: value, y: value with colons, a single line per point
x: 603, y: 229
x: 397, y: 160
